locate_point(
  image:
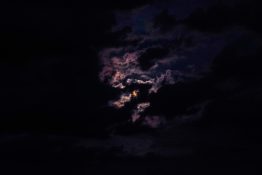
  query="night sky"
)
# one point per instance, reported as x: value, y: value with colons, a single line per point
x: 131, y: 87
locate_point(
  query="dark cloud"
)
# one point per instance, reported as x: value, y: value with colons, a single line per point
x: 183, y: 96
x: 240, y: 60
x: 148, y: 58
x: 222, y: 16
x: 164, y: 21
x: 236, y: 68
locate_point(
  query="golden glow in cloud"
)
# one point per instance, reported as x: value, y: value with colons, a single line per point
x: 135, y: 93
x: 125, y: 98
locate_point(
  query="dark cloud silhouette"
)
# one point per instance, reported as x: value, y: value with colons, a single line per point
x: 235, y: 69
x: 148, y: 58
x: 164, y: 21
x: 225, y: 15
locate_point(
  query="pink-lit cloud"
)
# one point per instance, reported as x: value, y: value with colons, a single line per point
x: 124, y: 98
x: 140, y: 108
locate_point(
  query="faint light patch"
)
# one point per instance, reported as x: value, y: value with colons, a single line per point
x: 119, y: 86
x: 165, y: 78
x: 200, y: 109
x: 138, y: 145
x: 153, y: 121
x: 135, y: 116
x: 141, y: 107
x: 137, y: 81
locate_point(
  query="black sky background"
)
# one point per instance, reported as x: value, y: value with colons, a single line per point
x: 54, y: 117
